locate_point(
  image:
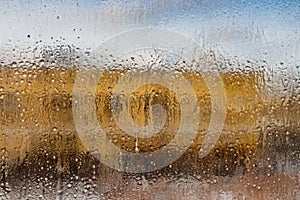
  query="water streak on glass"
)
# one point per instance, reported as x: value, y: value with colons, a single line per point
x: 248, y: 52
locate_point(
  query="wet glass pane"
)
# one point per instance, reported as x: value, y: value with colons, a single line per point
x: 149, y: 99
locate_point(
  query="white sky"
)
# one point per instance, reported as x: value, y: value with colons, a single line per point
x: 233, y: 34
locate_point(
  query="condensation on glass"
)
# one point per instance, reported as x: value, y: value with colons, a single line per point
x: 149, y: 99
